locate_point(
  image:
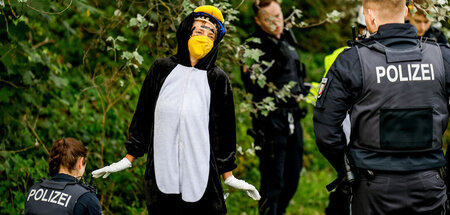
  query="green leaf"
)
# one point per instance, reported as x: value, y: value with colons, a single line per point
x: 28, y: 98
x: 253, y: 54
x: 133, y: 22
x: 5, y: 94
x: 138, y: 57
x: 253, y: 40
x: 144, y: 24
x: 127, y: 55
x: 65, y: 102
x: 19, y: 30
x: 28, y: 77
x: 140, y: 18
x: 59, y: 82
x: 121, y: 39
x: 261, y: 82
x: 267, y: 64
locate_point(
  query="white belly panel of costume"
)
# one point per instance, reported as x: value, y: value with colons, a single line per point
x: 181, y: 134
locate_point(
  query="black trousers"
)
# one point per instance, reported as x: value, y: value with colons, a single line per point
x: 338, y: 203
x: 280, y: 163
x: 412, y: 193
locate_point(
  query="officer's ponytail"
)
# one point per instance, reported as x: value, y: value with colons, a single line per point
x: 65, y: 152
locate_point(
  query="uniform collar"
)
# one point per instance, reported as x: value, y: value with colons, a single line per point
x: 64, y: 177
x: 404, y: 30
x: 261, y: 33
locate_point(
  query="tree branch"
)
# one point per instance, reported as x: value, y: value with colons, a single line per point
x: 20, y: 150
x: 46, y: 41
x: 50, y: 13
x: 8, y: 82
x: 35, y: 134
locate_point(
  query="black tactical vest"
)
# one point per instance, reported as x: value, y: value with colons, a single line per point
x: 403, y: 106
x: 291, y: 68
x: 51, y: 197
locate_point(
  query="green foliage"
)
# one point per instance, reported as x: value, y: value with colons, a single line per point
x: 75, y: 69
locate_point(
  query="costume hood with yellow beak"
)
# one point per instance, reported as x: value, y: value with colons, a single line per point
x: 184, y: 32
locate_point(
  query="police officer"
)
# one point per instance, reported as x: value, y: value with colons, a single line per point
x: 64, y: 194
x: 338, y: 199
x: 395, y: 87
x: 423, y: 24
x: 279, y: 134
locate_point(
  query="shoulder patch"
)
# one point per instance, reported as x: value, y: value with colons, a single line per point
x: 323, y: 83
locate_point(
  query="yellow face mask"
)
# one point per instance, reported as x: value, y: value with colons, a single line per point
x: 199, y: 46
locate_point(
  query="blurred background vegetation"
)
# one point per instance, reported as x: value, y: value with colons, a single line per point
x: 74, y: 68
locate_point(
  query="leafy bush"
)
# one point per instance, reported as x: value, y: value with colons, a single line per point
x: 75, y: 68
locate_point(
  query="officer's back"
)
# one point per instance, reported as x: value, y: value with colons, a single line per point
x: 395, y: 88
x: 64, y: 194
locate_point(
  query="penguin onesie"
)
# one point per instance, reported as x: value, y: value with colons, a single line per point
x: 185, y: 122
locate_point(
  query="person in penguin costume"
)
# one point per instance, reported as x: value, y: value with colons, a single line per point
x: 185, y: 122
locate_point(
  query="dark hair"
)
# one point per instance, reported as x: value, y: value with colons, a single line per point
x: 258, y: 4
x: 65, y: 152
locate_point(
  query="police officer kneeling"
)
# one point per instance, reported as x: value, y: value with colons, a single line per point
x: 64, y: 194
x: 396, y: 89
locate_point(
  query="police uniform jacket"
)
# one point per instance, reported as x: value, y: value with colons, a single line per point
x: 436, y: 34
x: 285, y: 66
x: 343, y: 88
x: 63, y: 194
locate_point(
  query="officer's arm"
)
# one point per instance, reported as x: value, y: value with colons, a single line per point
x: 445, y: 49
x: 87, y: 204
x: 342, y: 87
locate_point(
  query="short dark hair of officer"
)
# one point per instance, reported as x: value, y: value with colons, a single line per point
x: 258, y: 4
x: 65, y: 154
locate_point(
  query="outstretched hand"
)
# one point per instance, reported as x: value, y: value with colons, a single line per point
x: 115, y: 167
x: 242, y: 185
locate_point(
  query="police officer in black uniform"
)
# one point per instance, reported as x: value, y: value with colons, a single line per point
x: 423, y: 24
x: 396, y: 89
x: 279, y: 134
x: 64, y: 194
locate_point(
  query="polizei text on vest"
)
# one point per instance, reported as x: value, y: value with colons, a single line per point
x: 55, y: 197
x: 412, y: 72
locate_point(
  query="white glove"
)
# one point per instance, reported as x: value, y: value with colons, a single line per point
x: 242, y: 185
x: 115, y: 167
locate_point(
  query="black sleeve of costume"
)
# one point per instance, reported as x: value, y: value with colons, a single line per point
x: 222, y: 122
x: 87, y: 204
x: 138, y: 141
x: 343, y: 87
